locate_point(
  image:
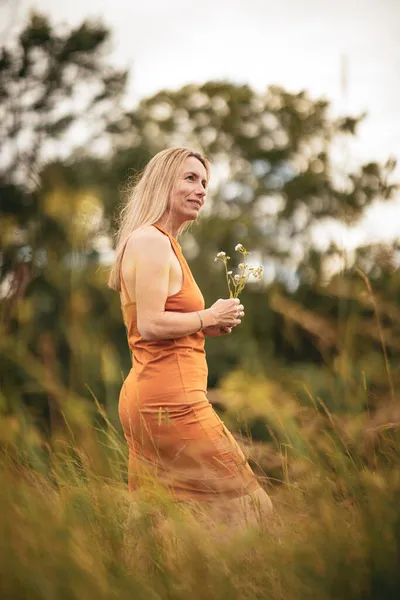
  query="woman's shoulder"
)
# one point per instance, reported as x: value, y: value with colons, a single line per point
x: 147, y: 238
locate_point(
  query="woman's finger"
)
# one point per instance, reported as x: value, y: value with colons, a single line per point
x: 225, y: 329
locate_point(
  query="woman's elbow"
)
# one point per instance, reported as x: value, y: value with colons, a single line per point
x: 147, y: 331
x: 146, y: 334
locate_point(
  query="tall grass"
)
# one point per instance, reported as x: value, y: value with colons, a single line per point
x: 69, y: 528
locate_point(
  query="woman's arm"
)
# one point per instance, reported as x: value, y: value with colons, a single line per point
x: 148, y: 254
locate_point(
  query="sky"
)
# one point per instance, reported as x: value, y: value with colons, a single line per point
x: 347, y: 51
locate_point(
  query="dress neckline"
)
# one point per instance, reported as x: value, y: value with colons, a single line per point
x: 167, y: 233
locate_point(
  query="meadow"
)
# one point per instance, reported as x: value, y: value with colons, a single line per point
x: 71, y: 530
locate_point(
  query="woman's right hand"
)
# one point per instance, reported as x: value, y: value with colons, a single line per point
x: 227, y: 313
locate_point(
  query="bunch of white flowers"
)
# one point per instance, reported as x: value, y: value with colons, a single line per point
x: 237, y: 282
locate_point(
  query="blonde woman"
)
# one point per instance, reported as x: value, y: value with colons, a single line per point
x: 172, y: 431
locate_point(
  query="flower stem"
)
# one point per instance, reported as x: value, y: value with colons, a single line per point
x: 227, y: 278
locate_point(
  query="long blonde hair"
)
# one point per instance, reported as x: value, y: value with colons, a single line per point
x: 147, y: 200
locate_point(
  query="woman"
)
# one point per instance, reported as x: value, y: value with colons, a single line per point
x: 172, y: 431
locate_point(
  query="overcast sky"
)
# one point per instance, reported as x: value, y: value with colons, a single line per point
x: 294, y: 43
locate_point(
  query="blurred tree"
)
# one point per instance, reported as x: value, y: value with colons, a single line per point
x: 53, y: 84
x: 273, y: 178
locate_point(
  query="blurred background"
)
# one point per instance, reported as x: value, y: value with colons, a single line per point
x: 296, y: 104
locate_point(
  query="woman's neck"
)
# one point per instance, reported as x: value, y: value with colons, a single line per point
x: 169, y: 226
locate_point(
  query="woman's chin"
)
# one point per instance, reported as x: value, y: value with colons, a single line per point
x: 191, y: 215
x: 187, y: 215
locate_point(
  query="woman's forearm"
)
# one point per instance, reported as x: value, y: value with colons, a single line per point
x: 170, y: 325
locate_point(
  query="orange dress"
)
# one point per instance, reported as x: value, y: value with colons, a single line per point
x: 171, y: 428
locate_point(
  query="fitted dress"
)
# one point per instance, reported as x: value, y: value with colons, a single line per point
x: 172, y: 430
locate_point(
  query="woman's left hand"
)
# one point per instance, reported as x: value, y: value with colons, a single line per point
x: 216, y: 330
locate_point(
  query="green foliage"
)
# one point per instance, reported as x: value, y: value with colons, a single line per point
x: 42, y: 76
x: 273, y: 180
x: 274, y: 150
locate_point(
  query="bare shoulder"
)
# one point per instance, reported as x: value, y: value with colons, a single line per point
x: 147, y: 240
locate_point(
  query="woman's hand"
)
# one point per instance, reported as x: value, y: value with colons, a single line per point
x: 226, y: 313
x: 215, y: 330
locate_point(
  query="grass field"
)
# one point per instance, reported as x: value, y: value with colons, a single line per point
x: 69, y: 528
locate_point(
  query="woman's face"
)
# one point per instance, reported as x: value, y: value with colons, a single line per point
x: 189, y: 191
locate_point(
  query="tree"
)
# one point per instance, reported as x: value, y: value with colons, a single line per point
x: 52, y: 83
x: 274, y: 180
x: 44, y: 75
x: 274, y: 177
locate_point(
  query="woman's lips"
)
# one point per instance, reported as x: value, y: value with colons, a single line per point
x: 195, y: 202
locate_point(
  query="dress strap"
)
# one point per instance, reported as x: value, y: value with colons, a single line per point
x: 176, y: 248
x: 173, y: 240
x: 123, y: 286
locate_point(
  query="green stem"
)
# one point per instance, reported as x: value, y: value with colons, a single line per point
x: 227, y: 278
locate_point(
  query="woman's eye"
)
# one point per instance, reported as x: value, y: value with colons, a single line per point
x: 190, y: 177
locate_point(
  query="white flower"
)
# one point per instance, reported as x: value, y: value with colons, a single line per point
x: 221, y: 254
x: 242, y: 266
x: 239, y: 248
x: 251, y: 269
x: 229, y: 272
x: 237, y: 277
x: 257, y: 273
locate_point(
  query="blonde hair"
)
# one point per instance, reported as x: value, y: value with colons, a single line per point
x: 147, y: 200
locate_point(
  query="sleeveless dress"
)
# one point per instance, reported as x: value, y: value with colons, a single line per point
x: 171, y: 428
